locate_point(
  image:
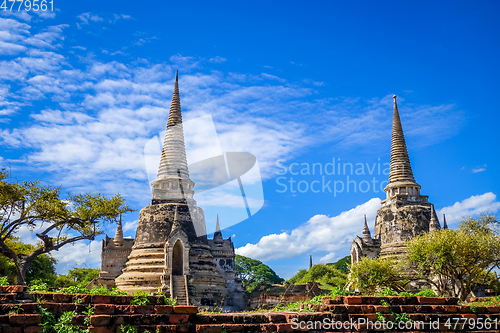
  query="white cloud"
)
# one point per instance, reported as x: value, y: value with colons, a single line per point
x: 81, y: 254
x: 473, y: 206
x: 86, y: 17
x: 320, y: 233
x: 217, y: 60
x: 131, y: 225
x: 479, y: 169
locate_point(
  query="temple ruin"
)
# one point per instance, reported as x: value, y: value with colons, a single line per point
x: 171, y: 251
x: 404, y: 214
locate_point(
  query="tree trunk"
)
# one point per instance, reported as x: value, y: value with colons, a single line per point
x: 22, y: 265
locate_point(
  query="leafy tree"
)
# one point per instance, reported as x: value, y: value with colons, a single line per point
x: 342, y: 264
x: 77, y: 277
x: 254, y: 273
x: 62, y: 220
x: 369, y: 275
x: 453, y: 261
x: 42, y: 268
x: 320, y: 273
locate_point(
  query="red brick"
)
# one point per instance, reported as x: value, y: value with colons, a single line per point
x: 100, y: 320
x: 25, y: 319
x: 185, y: 309
x: 381, y: 309
x: 93, y: 329
x: 33, y: 329
x: 277, y: 318
x: 353, y: 300
x: 161, y: 309
x: 16, y: 289
x: 65, y: 307
x: 285, y: 328
x: 101, y: 309
x: 431, y: 300
x: 469, y: 316
x: 101, y: 299
x: 85, y: 298
x: 144, y: 309
x: 178, y: 318
x: 493, y: 309
x: 62, y: 298
x: 213, y: 328
x: 124, y: 309
x: 166, y: 328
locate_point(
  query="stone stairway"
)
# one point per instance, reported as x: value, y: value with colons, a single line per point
x: 179, y: 289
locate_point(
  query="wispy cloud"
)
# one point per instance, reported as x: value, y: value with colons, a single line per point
x: 473, y: 206
x: 479, y: 169
x: 217, y: 60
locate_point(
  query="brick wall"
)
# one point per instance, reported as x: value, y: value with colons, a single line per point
x: 112, y: 311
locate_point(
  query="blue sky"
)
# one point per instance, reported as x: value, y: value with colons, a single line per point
x: 83, y: 89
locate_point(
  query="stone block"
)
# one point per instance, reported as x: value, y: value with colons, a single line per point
x: 431, y: 300
x: 62, y: 298
x: 101, y: 299
x: 25, y: 319
x: 185, y: 309
x: 160, y: 309
x: 178, y: 318
x: 33, y: 329
x: 100, y: 320
x: 104, y: 309
x: 353, y: 300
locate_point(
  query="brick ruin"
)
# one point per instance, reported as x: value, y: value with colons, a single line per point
x: 171, y: 251
x: 19, y: 314
x: 404, y: 214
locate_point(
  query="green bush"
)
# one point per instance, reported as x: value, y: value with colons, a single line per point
x: 140, y: 298
x: 4, y: 281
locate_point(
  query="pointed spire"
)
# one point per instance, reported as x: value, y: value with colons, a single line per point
x: 445, y: 225
x: 173, y: 180
x: 176, y: 224
x: 366, y: 235
x: 400, y: 170
x: 434, y: 223
x: 118, y: 240
x: 217, y: 226
x: 175, y: 116
x: 218, y: 234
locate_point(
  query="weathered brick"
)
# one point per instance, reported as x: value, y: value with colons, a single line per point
x: 163, y: 309
x: 124, y: 309
x: 101, y: 299
x: 25, y: 319
x: 63, y: 298
x: 431, y: 300
x: 493, y: 309
x: 277, y: 318
x: 285, y: 328
x: 166, y: 329
x: 185, y: 309
x: 144, y: 309
x: 178, y: 318
x: 101, y: 309
x: 100, y: 320
x: 33, y: 329
x: 381, y: 309
x: 16, y: 289
x: 101, y: 329
x: 352, y: 300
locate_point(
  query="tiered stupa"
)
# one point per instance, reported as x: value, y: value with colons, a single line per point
x: 171, y: 251
x: 404, y: 212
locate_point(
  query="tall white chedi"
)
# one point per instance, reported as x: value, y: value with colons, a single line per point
x: 172, y: 182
